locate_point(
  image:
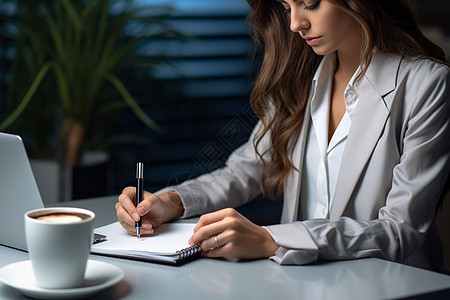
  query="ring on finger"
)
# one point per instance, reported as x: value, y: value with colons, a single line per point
x: 217, y: 241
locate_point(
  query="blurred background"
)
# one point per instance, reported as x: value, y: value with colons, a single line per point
x: 165, y: 82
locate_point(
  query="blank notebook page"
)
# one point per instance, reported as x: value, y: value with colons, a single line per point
x: 167, y: 238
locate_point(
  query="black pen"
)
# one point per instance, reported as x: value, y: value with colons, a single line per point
x: 139, y: 192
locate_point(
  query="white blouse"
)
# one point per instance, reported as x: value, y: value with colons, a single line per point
x: 323, y: 159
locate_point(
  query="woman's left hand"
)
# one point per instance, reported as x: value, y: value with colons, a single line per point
x: 226, y: 233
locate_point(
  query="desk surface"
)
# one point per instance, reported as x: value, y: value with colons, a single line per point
x: 260, y: 279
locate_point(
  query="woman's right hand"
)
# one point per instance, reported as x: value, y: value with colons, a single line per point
x: 153, y: 209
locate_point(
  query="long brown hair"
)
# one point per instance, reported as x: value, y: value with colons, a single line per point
x: 282, y: 87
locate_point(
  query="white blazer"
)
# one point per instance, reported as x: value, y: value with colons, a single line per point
x: 393, y: 170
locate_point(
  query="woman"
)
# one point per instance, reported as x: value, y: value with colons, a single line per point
x: 354, y: 126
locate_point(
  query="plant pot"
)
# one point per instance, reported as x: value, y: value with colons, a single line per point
x: 46, y: 173
x: 92, y: 177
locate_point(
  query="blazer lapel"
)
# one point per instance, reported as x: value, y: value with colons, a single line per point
x: 292, y: 185
x: 367, y: 126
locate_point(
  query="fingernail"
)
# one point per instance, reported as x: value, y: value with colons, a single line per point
x: 136, y: 217
x: 190, y: 242
x: 147, y: 226
x: 141, y: 211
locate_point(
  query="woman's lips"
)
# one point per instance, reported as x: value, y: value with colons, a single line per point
x: 313, y: 40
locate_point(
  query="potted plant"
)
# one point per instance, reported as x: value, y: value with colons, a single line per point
x: 67, y: 68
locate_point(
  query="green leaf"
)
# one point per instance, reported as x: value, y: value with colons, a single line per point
x: 72, y: 13
x: 63, y: 87
x: 23, y: 104
x: 57, y: 36
x: 132, y: 103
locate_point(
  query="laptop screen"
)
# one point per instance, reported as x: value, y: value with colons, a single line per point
x: 18, y: 191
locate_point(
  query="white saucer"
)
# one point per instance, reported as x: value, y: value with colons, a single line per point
x: 99, y: 276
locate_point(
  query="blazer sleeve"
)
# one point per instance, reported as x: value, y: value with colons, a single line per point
x: 418, y: 179
x: 230, y: 186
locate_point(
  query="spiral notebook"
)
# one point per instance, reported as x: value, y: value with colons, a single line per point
x: 167, y: 245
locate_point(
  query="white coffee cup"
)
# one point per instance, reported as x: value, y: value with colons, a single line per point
x: 59, y: 247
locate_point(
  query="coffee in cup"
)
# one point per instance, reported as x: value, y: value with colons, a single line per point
x: 62, y: 217
x: 59, y: 241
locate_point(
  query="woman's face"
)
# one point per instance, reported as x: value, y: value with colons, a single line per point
x: 322, y: 25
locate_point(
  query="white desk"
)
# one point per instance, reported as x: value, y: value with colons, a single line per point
x: 260, y: 279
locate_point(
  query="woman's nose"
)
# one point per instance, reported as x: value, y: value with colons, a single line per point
x: 298, y: 20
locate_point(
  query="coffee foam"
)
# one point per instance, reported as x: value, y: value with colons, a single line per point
x: 60, y: 218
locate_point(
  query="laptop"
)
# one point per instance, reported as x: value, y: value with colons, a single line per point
x: 19, y: 192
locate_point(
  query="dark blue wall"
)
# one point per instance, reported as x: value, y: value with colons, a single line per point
x: 204, y: 112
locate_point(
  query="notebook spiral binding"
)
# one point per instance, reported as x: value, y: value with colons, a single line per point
x: 189, y: 252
